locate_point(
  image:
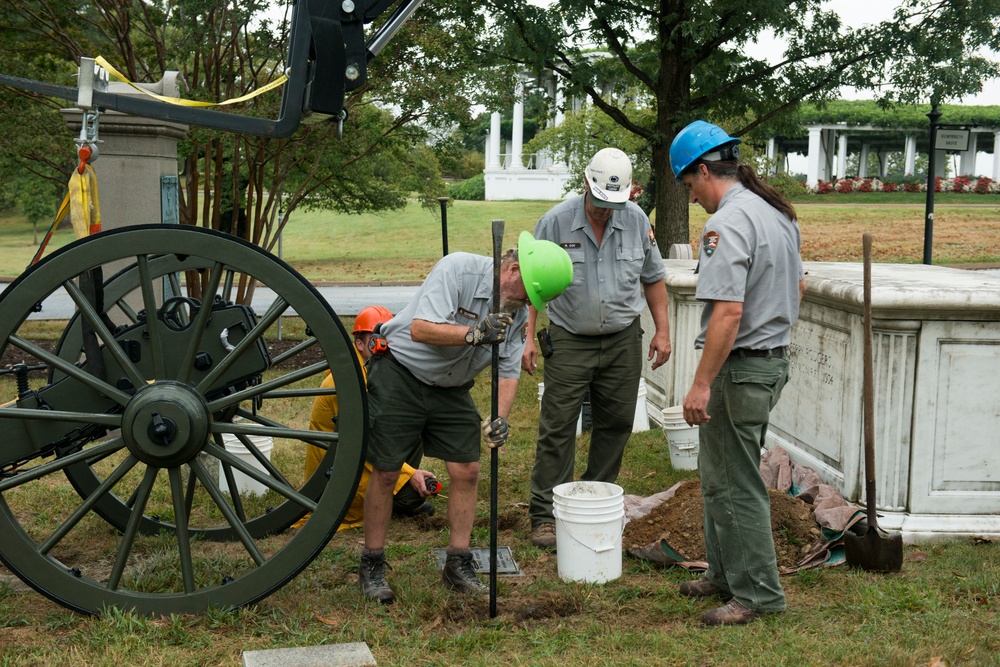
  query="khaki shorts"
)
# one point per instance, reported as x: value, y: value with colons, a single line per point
x: 405, y: 413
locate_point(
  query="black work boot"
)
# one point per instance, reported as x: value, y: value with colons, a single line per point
x: 459, y: 575
x: 371, y: 578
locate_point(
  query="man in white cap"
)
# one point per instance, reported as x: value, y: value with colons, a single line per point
x: 594, y: 332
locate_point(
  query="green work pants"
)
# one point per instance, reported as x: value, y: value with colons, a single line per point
x: 611, y: 366
x: 738, y: 539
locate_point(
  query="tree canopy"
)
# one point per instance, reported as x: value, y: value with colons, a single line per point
x: 686, y: 59
x: 223, y: 49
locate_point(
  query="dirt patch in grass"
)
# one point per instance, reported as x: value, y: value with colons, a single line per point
x: 303, y: 358
x: 680, y: 522
x: 13, y: 355
x: 310, y: 355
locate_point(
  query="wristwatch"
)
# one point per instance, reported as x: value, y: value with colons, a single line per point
x: 470, y: 336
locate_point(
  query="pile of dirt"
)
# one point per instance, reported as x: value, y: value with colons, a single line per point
x: 680, y: 521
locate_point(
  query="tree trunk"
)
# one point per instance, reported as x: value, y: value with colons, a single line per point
x: 673, y: 95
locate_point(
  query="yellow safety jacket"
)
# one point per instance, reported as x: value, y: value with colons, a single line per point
x: 321, y: 419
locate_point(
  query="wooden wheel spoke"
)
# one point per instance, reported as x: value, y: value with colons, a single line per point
x: 273, y: 313
x: 71, y: 369
x: 264, y: 387
x: 88, y: 504
x: 132, y: 529
x: 93, y: 318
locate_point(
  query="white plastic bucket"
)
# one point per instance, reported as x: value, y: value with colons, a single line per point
x: 640, y: 422
x: 588, y: 495
x: 673, y: 415
x: 683, y: 443
x: 590, y: 518
x: 245, y: 484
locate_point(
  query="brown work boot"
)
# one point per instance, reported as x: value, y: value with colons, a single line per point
x: 371, y: 578
x: 703, y: 588
x: 459, y: 575
x: 544, y: 535
x: 732, y: 614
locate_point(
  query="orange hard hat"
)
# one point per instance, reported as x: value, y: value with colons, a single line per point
x: 370, y: 317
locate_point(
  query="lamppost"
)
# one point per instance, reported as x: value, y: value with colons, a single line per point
x: 957, y: 141
x: 934, y: 115
x: 444, y: 224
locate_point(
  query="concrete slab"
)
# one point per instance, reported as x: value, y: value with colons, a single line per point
x: 354, y: 654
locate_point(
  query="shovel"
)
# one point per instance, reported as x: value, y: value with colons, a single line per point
x: 876, y: 550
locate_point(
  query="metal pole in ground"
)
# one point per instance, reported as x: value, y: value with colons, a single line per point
x: 444, y: 225
x: 494, y: 409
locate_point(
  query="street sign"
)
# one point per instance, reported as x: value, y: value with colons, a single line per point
x: 952, y: 140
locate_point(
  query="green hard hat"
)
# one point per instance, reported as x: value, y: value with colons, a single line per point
x: 545, y: 268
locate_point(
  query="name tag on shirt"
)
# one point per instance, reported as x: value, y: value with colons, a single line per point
x: 569, y: 246
x: 468, y: 314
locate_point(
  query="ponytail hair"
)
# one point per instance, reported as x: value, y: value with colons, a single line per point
x: 733, y: 170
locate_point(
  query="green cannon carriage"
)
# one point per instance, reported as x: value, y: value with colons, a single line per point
x: 162, y: 387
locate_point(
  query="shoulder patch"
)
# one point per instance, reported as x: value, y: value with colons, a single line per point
x: 709, y: 242
x: 569, y: 245
x: 467, y: 314
x: 652, y: 237
x: 524, y: 332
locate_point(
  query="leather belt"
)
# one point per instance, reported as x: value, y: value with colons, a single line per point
x: 388, y: 355
x: 776, y: 353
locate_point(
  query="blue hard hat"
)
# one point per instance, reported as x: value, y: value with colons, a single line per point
x: 696, y: 141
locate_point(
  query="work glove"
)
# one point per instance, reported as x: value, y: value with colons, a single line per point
x: 496, y: 432
x: 491, y: 329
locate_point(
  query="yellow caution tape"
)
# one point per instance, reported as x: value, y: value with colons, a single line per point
x: 189, y: 103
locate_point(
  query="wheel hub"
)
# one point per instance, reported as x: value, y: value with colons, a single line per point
x: 166, y: 424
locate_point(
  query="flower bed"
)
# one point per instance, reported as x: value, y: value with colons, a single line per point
x: 981, y: 185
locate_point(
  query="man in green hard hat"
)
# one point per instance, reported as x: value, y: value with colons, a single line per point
x: 418, y: 389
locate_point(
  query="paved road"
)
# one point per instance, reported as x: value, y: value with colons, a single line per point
x: 344, y: 299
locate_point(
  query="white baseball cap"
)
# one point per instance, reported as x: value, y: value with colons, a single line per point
x: 609, y: 177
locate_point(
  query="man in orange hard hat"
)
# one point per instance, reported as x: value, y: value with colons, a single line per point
x: 411, y: 488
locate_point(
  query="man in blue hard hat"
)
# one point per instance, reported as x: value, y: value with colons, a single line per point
x: 751, y: 280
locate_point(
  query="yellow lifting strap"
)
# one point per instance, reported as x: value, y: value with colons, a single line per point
x: 100, y: 60
x: 81, y: 203
x: 84, y: 203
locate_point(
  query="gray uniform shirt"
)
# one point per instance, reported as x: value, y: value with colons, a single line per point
x: 750, y: 253
x: 458, y: 290
x: 606, y: 293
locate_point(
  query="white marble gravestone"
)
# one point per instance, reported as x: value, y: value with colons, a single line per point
x: 936, y: 351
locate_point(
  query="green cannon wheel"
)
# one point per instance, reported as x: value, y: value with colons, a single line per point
x: 165, y: 271
x: 167, y: 415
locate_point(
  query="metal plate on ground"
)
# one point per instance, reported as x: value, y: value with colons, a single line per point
x: 481, y: 560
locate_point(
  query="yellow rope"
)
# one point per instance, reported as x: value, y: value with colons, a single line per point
x: 189, y: 103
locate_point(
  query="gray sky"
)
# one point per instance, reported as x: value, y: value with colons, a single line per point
x: 857, y: 13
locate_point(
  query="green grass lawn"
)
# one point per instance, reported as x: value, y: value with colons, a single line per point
x: 403, y: 245
x: 943, y: 608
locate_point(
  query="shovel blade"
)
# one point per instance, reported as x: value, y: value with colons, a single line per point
x: 874, y: 551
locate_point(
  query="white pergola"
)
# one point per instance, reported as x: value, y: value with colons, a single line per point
x: 508, y: 174
x: 827, y: 148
